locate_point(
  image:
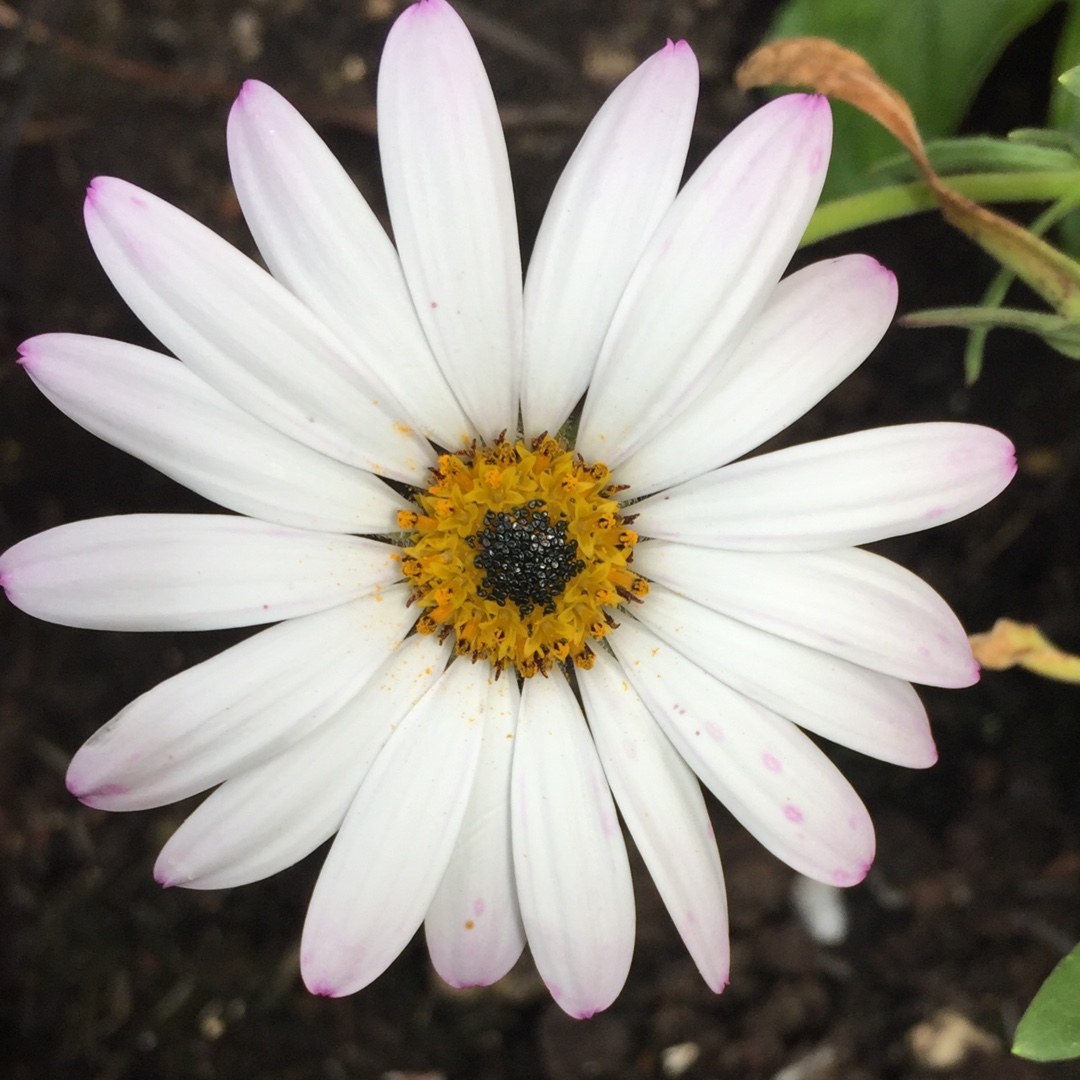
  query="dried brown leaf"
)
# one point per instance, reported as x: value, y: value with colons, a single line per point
x: 830, y: 69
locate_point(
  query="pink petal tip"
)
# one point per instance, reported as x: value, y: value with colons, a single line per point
x: 164, y: 878
x: 98, y: 797
x: 320, y: 988
x: 1010, y: 461
x: 27, y: 352
x: 425, y: 8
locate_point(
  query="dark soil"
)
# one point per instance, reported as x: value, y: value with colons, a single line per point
x: 975, y: 892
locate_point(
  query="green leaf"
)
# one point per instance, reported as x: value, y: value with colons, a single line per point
x: 1064, y: 112
x: 1050, y: 1029
x: 1064, y: 106
x: 1054, y: 140
x: 979, y: 153
x: 936, y: 54
x: 1058, y: 332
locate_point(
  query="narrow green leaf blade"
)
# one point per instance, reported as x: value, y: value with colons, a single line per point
x: 1061, y: 334
x: 978, y: 153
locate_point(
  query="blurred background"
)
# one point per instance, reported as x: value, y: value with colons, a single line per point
x: 974, y: 895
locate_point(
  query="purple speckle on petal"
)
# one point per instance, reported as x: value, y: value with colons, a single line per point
x: 714, y: 731
x: 934, y: 513
x: 815, y: 160
x: 478, y: 908
x: 843, y: 877
x: 793, y: 813
x: 771, y: 762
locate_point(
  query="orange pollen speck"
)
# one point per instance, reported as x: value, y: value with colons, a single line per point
x: 518, y: 550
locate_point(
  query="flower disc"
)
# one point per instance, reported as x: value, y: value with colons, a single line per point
x: 520, y: 551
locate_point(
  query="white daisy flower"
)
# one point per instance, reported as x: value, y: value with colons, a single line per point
x: 493, y: 638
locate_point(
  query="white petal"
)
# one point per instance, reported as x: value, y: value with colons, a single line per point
x: 154, y: 408
x: 616, y: 187
x: 473, y: 927
x: 873, y: 713
x: 188, y: 572
x: 396, y: 840
x: 452, y: 207
x: 573, y: 877
x: 818, y: 326
x: 852, y: 489
x: 238, y: 709
x: 243, y: 332
x: 271, y: 816
x: 661, y: 803
x: 849, y: 603
x: 778, y: 784
x: 706, y: 273
x: 319, y: 237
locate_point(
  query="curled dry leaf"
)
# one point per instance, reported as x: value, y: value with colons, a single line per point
x: 830, y: 69
x: 836, y: 72
x: 1010, y: 644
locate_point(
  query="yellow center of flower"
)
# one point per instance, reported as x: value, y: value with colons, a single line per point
x: 521, y: 553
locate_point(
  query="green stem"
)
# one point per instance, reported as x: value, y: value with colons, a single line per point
x: 1036, y: 322
x: 901, y: 200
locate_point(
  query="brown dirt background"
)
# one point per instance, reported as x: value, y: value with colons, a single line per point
x: 103, y: 975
